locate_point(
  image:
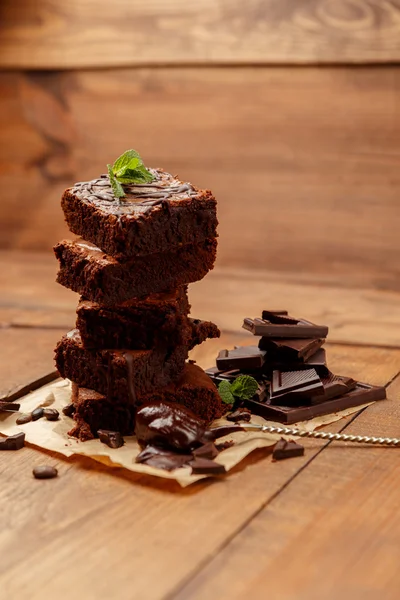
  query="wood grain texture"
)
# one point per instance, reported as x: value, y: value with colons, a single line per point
x: 30, y: 297
x: 130, y: 533
x: 333, y: 532
x: 52, y: 34
x: 26, y: 357
x: 304, y: 163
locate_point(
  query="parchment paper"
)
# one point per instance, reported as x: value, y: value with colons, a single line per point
x: 52, y: 435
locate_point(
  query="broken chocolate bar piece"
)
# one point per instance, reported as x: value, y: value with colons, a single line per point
x: 273, y: 325
x: 295, y: 387
x: 290, y: 350
x: 208, y: 450
x: 13, y: 442
x: 247, y: 358
x: 113, y: 439
x: 335, y: 385
x: 218, y: 375
x: 286, y: 449
x: 9, y: 407
x: 241, y: 414
x: 361, y: 394
x: 317, y: 361
x: 161, y: 458
x: 204, y: 466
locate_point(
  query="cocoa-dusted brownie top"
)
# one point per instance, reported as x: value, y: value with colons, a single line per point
x: 86, y: 269
x: 151, y: 217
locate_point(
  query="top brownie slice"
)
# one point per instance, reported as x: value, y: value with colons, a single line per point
x: 152, y: 218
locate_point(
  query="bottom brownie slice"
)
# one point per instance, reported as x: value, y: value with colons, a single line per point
x: 93, y: 411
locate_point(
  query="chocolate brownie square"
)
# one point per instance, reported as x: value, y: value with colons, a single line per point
x: 152, y: 218
x: 85, y: 269
x: 122, y: 375
x: 135, y: 324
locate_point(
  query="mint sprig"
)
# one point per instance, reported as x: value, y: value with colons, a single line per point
x: 224, y: 390
x: 128, y: 168
x: 242, y: 388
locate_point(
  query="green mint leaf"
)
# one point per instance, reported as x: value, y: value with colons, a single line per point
x: 244, y: 387
x: 123, y: 161
x: 224, y: 390
x: 130, y: 167
x: 116, y: 187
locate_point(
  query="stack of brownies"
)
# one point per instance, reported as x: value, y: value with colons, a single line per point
x: 289, y: 364
x: 131, y: 270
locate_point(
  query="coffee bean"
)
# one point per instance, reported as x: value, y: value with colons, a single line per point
x: 44, y: 472
x: 51, y: 414
x: 37, y: 413
x: 25, y: 418
x: 69, y: 410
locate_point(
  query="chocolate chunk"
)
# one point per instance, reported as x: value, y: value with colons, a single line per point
x: 286, y: 449
x: 13, y: 442
x: 161, y: 458
x: 204, y: 466
x: 9, y: 407
x: 218, y: 375
x: 113, y: 439
x: 295, y: 387
x: 361, y: 394
x: 69, y: 410
x: 290, y: 350
x: 38, y: 413
x: 241, y: 414
x: 335, y: 386
x: 51, y: 414
x: 224, y: 445
x: 44, y: 472
x: 23, y: 419
x: 208, y: 450
x: 248, y: 358
x: 282, y: 326
x: 169, y: 425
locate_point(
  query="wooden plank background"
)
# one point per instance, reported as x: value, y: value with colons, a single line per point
x: 304, y: 162
x: 90, y: 33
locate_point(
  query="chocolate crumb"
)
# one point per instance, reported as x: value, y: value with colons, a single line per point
x: 241, y: 414
x: 286, y: 449
x: 113, y: 439
x: 224, y: 445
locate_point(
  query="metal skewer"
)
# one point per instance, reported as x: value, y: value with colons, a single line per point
x: 334, y: 437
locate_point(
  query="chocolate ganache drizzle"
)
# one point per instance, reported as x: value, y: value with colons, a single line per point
x: 142, y: 196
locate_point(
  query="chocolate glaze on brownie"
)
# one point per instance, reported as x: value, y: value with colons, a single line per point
x: 152, y: 218
x: 85, y: 269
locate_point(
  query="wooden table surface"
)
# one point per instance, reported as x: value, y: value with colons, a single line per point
x: 325, y: 525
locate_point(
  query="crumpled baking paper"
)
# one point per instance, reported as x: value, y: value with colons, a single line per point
x: 52, y: 435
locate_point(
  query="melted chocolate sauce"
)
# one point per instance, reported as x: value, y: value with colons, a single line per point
x: 169, y: 425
